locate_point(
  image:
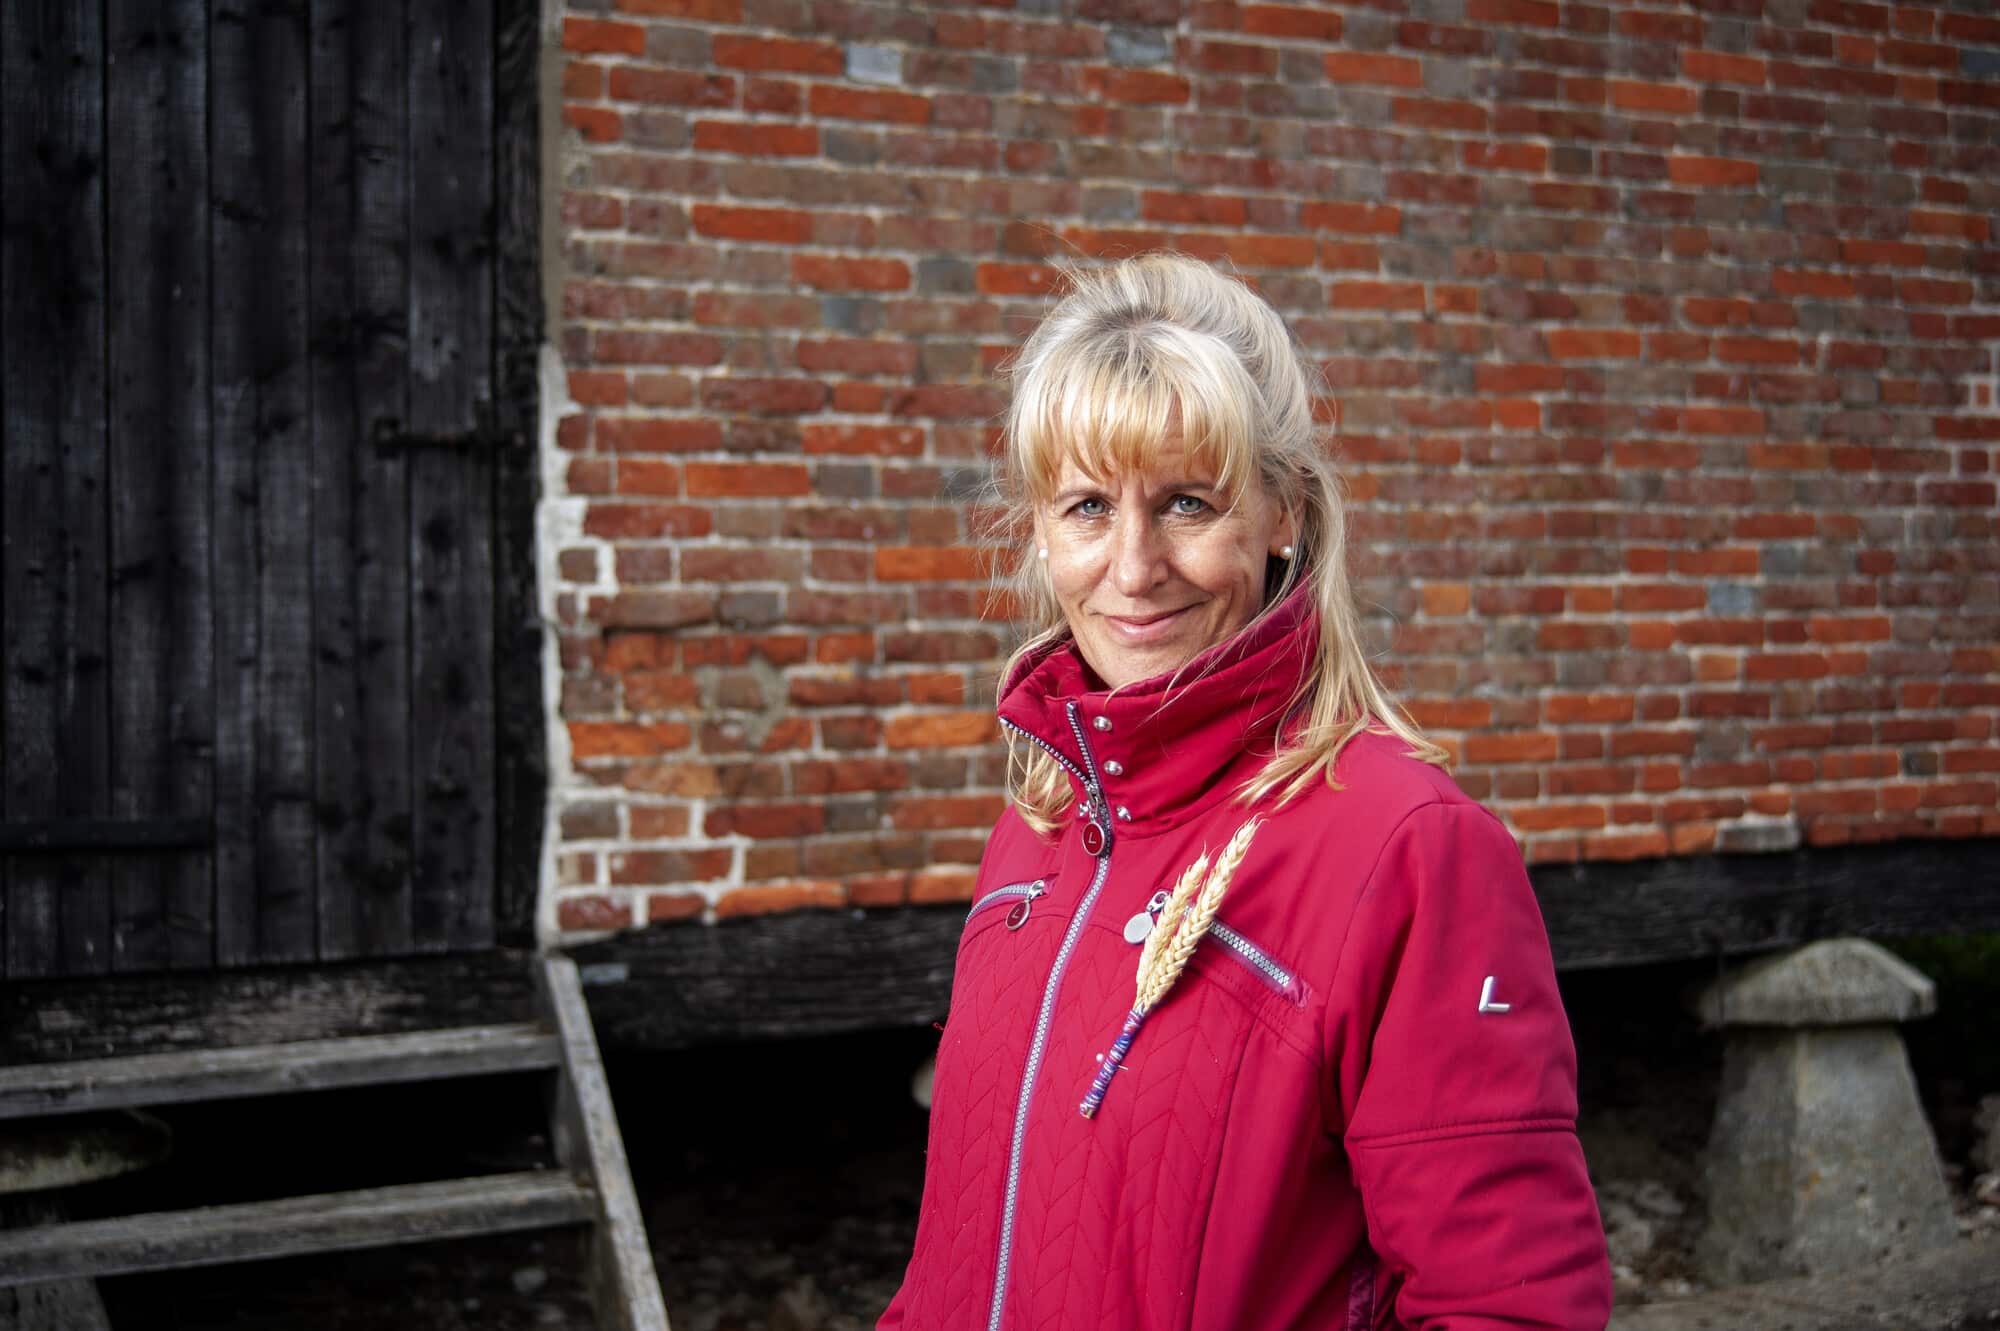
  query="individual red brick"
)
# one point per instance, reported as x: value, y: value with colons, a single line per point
x: 1711, y: 172
x: 671, y: 87
x: 912, y: 563
x: 934, y: 730
x: 1531, y: 157
x: 1788, y: 665
x: 739, y: 479
x: 931, y: 812
x: 1376, y: 296
x: 1510, y: 747
x: 864, y: 440
x: 590, y: 34
x: 702, y: 11
x: 1722, y: 420
x: 765, y: 226
x: 1251, y: 250
x: 1435, y: 113
x: 1957, y: 226
x: 596, y: 124
x: 1671, y: 98
x: 1587, y: 708
x: 736, y: 51
x: 1142, y: 86
x: 1592, y: 343
x: 773, y: 898
x: 1303, y: 21
x: 755, y: 139
x: 1518, y: 378
x: 840, y: 103
x: 670, y: 907
x: 1552, y: 817
x: 833, y: 273
x: 771, y: 397
x: 623, y: 346
x: 595, y: 910
x: 1820, y: 285
x: 1720, y: 67
x: 1395, y: 71
x: 1515, y: 13
x: 941, y: 885
x: 1359, y: 218
x: 1890, y: 253
x: 1450, y: 713
x: 1192, y: 209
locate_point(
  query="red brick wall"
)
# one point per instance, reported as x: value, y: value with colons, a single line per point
x: 1655, y: 331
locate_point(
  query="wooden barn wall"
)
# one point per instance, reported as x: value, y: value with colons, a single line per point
x: 268, y: 318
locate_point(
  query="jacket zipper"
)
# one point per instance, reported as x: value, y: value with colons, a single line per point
x: 1024, y: 892
x: 1045, y: 1017
x: 1257, y: 959
x: 1260, y: 962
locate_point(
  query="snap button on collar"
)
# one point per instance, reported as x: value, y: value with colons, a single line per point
x: 1114, y: 768
x: 1102, y: 723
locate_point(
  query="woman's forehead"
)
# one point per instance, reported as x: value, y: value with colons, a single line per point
x: 1168, y: 462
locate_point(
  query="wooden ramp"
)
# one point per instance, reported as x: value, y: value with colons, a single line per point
x: 591, y: 1185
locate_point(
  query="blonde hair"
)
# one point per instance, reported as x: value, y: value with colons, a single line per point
x: 1129, y: 352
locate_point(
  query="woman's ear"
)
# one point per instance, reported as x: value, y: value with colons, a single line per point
x: 1285, y: 535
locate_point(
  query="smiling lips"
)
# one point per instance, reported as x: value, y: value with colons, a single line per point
x: 1146, y: 628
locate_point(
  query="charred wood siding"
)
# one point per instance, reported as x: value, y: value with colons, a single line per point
x: 268, y: 320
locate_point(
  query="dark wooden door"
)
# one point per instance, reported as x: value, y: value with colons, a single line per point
x: 268, y: 319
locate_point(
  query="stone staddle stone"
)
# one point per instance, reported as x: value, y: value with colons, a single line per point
x: 1820, y: 1157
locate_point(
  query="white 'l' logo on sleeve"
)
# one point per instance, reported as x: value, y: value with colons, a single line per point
x: 1486, y: 1003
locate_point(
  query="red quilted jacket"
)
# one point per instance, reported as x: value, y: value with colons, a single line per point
x: 1355, y: 1109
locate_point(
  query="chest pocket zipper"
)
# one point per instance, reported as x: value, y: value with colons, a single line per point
x: 1021, y: 894
x: 1260, y: 962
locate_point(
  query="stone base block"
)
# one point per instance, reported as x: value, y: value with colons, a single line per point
x: 1821, y: 1157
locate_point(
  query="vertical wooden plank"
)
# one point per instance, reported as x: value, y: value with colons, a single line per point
x: 162, y: 699
x: 53, y: 538
x: 451, y: 322
x: 361, y: 532
x: 521, y: 745
x: 262, y: 483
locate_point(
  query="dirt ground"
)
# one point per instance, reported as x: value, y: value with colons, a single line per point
x: 781, y: 1183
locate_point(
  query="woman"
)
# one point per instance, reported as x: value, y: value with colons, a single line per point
x: 1354, y: 1104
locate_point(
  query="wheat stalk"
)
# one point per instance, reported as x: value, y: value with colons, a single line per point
x: 1184, y: 920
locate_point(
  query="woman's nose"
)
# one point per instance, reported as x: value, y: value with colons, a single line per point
x: 1136, y: 555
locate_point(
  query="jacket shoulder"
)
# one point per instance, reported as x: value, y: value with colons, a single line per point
x: 1376, y: 776
x: 1378, y: 786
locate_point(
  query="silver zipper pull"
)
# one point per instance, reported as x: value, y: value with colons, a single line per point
x: 1140, y: 925
x: 1017, y: 914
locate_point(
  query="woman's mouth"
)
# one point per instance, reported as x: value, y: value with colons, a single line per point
x: 1148, y: 627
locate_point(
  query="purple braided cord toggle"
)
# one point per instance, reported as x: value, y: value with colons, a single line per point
x: 1102, y: 1081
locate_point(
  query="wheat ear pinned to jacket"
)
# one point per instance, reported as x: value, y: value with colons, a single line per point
x: 1183, y: 923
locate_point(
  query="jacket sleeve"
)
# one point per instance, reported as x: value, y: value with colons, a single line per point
x: 1452, y: 1081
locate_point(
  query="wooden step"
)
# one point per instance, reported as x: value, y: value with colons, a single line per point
x: 330, y: 1222
x: 271, y: 1069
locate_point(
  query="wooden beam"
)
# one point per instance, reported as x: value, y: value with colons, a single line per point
x: 1602, y: 915
x: 49, y: 1020
x: 273, y: 1069
x: 825, y: 972
x: 330, y: 1222
x: 623, y: 1282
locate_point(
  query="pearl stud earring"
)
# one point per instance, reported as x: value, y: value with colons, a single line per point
x: 1285, y: 552
x: 1042, y: 553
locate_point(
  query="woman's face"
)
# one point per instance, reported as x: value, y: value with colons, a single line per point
x: 1152, y: 568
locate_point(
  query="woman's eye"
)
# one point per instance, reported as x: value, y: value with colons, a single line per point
x: 1187, y: 506
x: 1089, y: 508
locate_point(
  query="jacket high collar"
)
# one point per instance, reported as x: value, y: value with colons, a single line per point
x: 1169, y: 747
